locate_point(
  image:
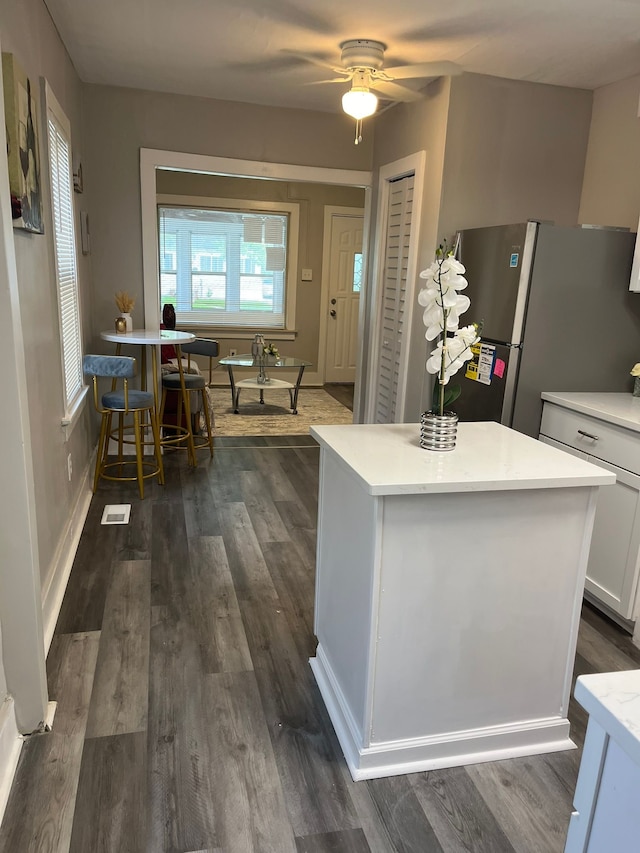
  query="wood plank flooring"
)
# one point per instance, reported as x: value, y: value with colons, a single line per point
x: 188, y: 717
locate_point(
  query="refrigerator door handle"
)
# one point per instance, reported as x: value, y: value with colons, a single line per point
x: 500, y: 343
x: 525, y: 279
x: 511, y: 379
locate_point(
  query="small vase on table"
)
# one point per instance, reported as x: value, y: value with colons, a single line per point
x: 128, y: 321
x: 438, y: 432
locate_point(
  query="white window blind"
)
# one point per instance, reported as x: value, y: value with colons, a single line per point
x: 224, y: 267
x: 64, y: 240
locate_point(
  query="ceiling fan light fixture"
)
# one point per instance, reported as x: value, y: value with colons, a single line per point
x: 359, y: 102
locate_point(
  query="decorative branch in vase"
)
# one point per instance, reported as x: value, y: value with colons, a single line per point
x: 443, y: 304
x: 125, y: 304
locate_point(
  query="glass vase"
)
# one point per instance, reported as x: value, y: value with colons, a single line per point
x: 636, y: 386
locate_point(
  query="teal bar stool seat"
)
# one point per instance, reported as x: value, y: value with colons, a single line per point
x: 123, y: 402
x: 184, y: 383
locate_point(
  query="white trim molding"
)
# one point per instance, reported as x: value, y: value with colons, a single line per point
x: 58, y: 575
x: 10, y: 745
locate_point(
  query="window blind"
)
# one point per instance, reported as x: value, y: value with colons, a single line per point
x: 61, y: 177
x: 224, y: 267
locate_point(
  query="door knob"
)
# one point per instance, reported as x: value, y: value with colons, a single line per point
x: 332, y: 312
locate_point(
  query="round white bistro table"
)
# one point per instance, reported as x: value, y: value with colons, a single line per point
x: 150, y: 338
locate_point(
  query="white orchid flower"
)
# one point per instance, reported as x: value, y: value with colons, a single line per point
x: 635, y: 370
x: 443, y: 304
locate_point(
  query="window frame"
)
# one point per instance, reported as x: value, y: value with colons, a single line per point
x: 237, y: 205
x: 74, y: 387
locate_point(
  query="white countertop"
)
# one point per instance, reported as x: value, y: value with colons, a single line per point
x: 613, y: 699
x: 620, y: 409
x: 388, y: 460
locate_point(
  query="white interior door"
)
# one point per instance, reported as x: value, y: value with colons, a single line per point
x: 393, y: 318
x: 343, y: 297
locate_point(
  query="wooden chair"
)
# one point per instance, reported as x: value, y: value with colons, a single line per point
x: 127, y: 401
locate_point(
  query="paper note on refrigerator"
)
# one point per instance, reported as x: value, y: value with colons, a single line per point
x: 485, y: 363
x: 480, y: 366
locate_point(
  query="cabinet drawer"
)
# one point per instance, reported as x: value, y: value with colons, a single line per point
x: 609, y: 442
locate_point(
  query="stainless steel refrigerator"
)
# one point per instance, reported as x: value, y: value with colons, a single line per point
x: 558, y: 316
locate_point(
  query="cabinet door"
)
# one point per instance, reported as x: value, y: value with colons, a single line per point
x: 612, y: 571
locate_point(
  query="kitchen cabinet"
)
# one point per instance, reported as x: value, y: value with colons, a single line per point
x: 426, y: 562
x: 606, y: 816
x: 605, y: 429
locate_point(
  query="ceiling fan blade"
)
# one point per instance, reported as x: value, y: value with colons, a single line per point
x: 423, y: 69
x: 314, y: 60
x: 333, y: 80
x: 392, y: 90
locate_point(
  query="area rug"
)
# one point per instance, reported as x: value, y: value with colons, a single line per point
x: 315, y: 407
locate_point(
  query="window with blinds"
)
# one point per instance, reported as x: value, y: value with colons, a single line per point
x: 64, y: 242
x: 224, y: 267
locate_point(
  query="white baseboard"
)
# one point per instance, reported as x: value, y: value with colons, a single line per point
x: 60, y: 570
x: 450, y: 749
x: 10, y: 746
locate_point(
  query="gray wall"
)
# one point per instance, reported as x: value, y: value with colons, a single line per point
x: 26, y: 30
x: 611, y: 189
x: 118, y: 122
x: 498, y: 151
x: 515, y: 151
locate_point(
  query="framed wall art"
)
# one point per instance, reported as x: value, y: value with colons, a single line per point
x: 23, y: 147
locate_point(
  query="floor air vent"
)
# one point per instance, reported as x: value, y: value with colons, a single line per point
x: 116, y: 514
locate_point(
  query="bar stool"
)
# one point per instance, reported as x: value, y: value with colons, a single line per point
x: 122, y: 402
x: 183, y: 383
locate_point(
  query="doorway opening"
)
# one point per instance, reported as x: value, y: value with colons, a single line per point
x: 160, y: 168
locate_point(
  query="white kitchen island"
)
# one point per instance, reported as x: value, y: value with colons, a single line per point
x: 606, y: 816
x: 448, y: 593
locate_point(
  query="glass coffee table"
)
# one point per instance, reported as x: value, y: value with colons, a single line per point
x: 263, y: 380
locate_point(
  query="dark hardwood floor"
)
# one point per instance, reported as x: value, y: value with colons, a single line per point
x: 188, y: 718
x: 342, y: 392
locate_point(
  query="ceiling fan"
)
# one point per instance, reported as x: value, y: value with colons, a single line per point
x: 362, y: 63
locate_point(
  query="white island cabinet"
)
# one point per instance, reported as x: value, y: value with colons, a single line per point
x: 605, y: 429
x: 448, y: 593
x: 606, y: 817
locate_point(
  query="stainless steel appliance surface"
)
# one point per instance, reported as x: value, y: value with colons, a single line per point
x: 555, y: 304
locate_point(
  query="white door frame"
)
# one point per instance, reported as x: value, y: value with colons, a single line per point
x: 22, y: 644
x: 152, y: 159
x: 331, y: 210
x: 413, y: 164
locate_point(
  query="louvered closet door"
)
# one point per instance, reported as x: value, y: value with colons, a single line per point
x: 394, y: 289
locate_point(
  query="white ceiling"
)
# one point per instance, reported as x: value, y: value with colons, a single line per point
x: 234, y: 49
